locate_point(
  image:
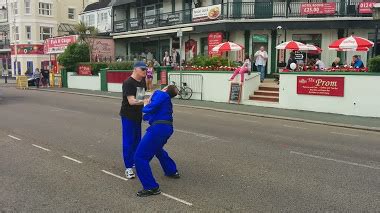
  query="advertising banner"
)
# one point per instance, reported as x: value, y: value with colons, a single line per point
x: 318, y: 8
x: 207, y: 13
x: 213, y: 40
x: 319, y: 85
x: 59, y: 44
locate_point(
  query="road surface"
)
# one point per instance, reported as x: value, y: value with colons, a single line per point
x: 62, y: 152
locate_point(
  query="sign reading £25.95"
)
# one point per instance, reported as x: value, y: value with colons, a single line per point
x: 319, y: 85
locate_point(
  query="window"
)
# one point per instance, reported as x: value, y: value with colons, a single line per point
x: 46, y: 32
x: 45, y: 9
x: 90, y: 20
x: 14, y: 8
x: 28, y: 30
x: 71, y: 13
x: 27, y: 6
x: 103, y: 17
x: 17, y: 34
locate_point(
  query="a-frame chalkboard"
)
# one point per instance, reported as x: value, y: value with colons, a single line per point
x: 235, y: 93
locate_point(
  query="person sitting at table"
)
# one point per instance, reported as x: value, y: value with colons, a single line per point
x: 292, y: 59
x: 336, y: 63
x: 357, y: 62
x: 320, y: 64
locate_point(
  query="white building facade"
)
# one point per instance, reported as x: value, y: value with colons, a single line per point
x: 33, y: 21
x: 152, y: 25
x: 98, y: 15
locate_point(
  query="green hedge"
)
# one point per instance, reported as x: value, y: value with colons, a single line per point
x: 126, y: 65
x: 374, y: 64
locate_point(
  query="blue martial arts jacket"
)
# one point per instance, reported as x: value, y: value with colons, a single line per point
x: 159, y: 108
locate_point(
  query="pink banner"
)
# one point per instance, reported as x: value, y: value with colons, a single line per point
x: 366, y: 7
x: 318, y: 8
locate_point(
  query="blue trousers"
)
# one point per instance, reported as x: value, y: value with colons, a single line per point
x: 131, y: 131
x: 152, y: 145
x: 261, y: 69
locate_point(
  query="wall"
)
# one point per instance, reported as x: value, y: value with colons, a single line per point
x: 360, y: 96
x: 83, y: 82
x: 115, y: 87
x: 216, y: 86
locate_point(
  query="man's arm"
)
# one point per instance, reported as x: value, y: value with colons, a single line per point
x: 155, y: 102
x: 133, y: 101
x: 129, y: 91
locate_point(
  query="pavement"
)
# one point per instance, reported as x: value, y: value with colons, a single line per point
x: 354, y: 122
x: 62, y: 152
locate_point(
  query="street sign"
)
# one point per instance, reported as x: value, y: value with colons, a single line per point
x: 179, y: 33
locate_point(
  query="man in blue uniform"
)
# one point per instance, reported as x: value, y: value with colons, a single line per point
x: 159, y: 114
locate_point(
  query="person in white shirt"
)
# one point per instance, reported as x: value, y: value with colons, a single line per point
x: 320, y: 64
x: 261, y: 61
x: 245, y: 68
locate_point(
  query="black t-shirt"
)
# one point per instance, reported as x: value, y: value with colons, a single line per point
x: 45, y: 73
x: 130, y: 89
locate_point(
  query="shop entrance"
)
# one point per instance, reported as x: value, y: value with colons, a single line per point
x: 259, y: 40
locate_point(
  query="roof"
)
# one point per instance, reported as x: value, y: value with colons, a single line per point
x: 121, y: 2
x: 97, y: 5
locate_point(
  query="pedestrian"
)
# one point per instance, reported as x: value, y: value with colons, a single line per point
x: 166, y: 60
x: 159, y: 113
x: 37, y: 77
x: 45, y: 77
x: 292, y: 59
x: 149, y: 76
x: 245, y: 68
x: 320, y: 64
x: 261, y: 61
x: 175, y: 58
x: 131, y: 114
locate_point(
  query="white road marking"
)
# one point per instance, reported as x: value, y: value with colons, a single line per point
x: 250, y: 121
x: 72, y: 159
x: 11, y: 136
x: 61, y: 109
x: 177, y: 199
x: 197, y: 134
x: 335, y: 160
x: 294, y: 127
x: 184, y: 112
x: 40, y: 147
x: 117, y: 176
x: 338, y: 133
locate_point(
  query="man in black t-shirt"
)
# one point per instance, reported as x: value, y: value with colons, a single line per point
x: 131, y: 114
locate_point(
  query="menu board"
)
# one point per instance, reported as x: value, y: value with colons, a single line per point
x: 235, y: 93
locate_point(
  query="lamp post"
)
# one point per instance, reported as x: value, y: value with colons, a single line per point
x: 180, y: 34
x: 376, y: 18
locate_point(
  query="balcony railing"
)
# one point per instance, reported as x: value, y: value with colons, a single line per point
x: 240, y: 10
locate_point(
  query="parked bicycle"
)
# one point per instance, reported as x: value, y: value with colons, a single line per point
x: 185, y: 92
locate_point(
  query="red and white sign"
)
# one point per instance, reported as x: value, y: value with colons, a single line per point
x: 366, y: 7
x: 318, y: 85
x: 84, y: 70
x: 59, y: 44
x: 318, y: 8
x: 28, y: 49
x: 213, y: 40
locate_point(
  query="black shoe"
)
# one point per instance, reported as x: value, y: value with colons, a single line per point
x: 175, y: 175
x: 146, y: 193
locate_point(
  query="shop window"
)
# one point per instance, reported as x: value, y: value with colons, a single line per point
x: 204, y: 46
x: 29, y: 66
